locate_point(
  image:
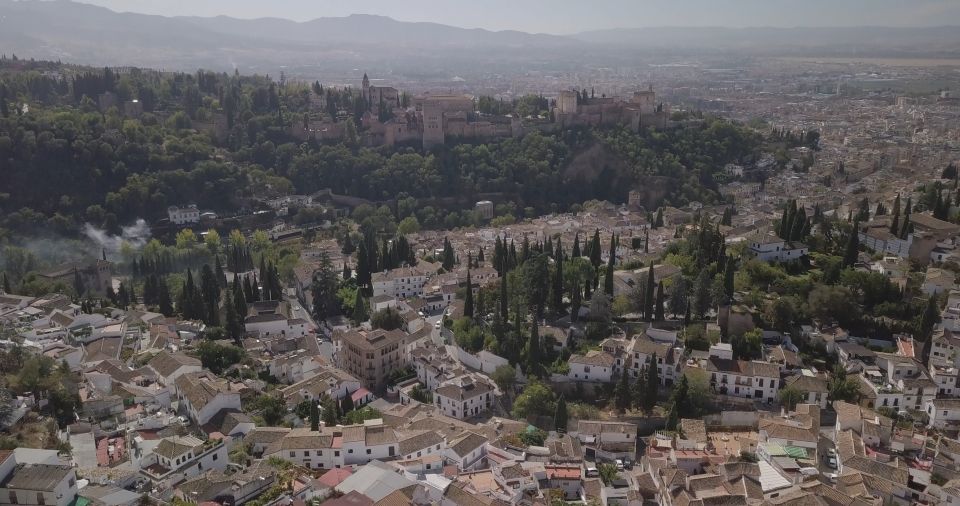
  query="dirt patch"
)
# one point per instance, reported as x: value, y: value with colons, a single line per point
x: 33, y: 431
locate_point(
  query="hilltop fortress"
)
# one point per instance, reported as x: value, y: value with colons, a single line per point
x: 432, y: 119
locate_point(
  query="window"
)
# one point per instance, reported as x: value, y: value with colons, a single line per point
x: 293, y: 454
x: 215, y: 456
x: 40, y: 500
x: 336, y: 454
x: 368, y: 451
x: 306, y: 453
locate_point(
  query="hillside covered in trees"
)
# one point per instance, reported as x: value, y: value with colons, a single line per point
x: 66, y: 160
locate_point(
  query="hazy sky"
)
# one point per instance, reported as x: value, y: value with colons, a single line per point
x: 569, y: 16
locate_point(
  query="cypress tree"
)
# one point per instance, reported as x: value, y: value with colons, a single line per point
x: 360, y: 313
x: 468, y: 297
x: 851, y: 251
x: 608, y: 275
x: 658, y: 221
x: 576, y: 246
x: 504, y: 311
x: 314, y: 416
x: 658, y: 311
x: 533, y: 350
x: 576, y: 301
x: 728, y: 277
x: 6, y: 284
x: 163, y: 298
x: 594, y: 250
x: 560, y: 415
x: 648, y: 294
x: 557, y: 289
x: 622, y: 392
x: 652, y: 384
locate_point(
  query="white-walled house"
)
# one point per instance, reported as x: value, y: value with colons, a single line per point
x: 772, y: 249
x: 815, y: 388
x: 177, y: 458
x: 943, y: 413
x: 36, y: 484
x: 170, y: 366
x: 183, y: 215
x: 750, y: 380
x: 272, y: 324
x: 464, y: 397
x: 335, y: 447
x: 399, y: 283
x: 596, y: 366
x: 466, y: 451
x: 203, y: 395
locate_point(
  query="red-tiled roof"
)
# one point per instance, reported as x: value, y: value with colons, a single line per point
x: 333, y: 477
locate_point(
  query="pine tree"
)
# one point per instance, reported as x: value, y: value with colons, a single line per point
x: 468, y: 297
x: 560, y: 415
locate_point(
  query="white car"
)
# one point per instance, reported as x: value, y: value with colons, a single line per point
x: 832, y: 462
x: 438, y: 325
x: 619, y: 465
x: 831, y: 476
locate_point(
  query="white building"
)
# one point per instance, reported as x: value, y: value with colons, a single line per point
x: 203, y: 395
x: 770, y: 249
x: 943, y: 413
x: 272, y: 324
x: 464, y: 397
x: 750, y: 380
x: 399, y: 283
x: 596, y: 366
x: 170, y: 366
x: 183, y: 215
x: 36, y: 484
x: 466, y: 451
x: 335, y: 447
x: 177, y: 458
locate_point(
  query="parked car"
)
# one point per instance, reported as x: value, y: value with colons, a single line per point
x: 627, y: 463
x: 619, y: 465
x: 592, y: 471
x: 832, y: 462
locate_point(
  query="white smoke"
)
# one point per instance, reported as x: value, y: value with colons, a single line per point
x: 135, y: 235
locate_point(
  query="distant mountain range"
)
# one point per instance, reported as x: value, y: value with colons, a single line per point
x: 83, y: 33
